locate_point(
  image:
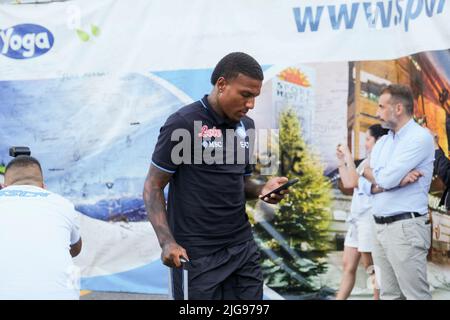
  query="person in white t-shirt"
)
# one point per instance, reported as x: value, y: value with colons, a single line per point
x: 360, y: 237
x: 39, y: 235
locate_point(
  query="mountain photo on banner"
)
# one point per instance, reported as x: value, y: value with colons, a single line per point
x: 94, y: 135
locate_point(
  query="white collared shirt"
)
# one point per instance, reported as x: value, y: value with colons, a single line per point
x: 361, y: 202
x: 392, y: 158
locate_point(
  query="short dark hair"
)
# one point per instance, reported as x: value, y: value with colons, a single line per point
x: 377, y: 131
x: 401, y: 94
x: 234, y: 63
x: 23, y: 162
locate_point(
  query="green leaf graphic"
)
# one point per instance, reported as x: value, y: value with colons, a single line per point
x: 82, y: 35
x: 95, y: 30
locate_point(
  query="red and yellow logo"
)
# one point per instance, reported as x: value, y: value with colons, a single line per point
x: 294, y: 75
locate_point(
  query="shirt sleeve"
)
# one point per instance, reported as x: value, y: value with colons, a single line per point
x: 162, y: 155
x: 405, y: 159
x: 248, y: 170
x: 360, y: 168
x: 250, y: 125
x: 364, y: 186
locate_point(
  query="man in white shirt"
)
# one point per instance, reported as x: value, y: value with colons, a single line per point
x: 399, y: 178
x: 39, y: 235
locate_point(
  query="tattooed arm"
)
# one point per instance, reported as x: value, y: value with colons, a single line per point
x: 155, y: 205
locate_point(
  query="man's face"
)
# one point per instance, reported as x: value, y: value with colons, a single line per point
x: 238, y: 95
x: 386, y: 112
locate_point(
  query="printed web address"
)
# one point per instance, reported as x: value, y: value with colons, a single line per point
x: 381, y: 14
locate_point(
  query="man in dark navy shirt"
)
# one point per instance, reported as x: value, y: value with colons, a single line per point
x: 204, y: 152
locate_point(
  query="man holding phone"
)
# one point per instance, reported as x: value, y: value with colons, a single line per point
x: 205, y: 221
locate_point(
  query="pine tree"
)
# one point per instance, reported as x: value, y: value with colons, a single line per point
x: 296, y: 241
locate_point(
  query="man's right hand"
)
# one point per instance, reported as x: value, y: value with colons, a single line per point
x: 171, y: 254
x: 411, y: 177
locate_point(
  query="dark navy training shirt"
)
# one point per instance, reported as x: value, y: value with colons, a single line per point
x: 206, y: 202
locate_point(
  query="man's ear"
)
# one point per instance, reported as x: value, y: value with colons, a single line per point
x: 399, y: 108
x: 221, y: 84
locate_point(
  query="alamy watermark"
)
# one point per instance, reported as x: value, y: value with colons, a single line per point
x: 230, y: 146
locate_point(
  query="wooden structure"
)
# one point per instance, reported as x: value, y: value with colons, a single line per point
x: 368, y: 77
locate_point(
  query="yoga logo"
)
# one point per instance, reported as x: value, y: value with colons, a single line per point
x: 25, y: 41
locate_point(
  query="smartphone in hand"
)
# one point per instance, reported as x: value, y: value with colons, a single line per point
x: 281, y: 188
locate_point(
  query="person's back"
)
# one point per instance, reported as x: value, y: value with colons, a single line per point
x: 38, y: 230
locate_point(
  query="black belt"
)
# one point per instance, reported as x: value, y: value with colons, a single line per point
x: 397, y: 217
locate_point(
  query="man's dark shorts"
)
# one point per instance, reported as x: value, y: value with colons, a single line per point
x: 233, y: 273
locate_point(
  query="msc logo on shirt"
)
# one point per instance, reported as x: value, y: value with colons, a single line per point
x: 25, y: 41
x: 211, y: 137
x: 219, y: 144
x: 212, y: 144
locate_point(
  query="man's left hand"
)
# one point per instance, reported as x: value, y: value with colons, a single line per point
x: 272, y: 184
x: 411, y: 177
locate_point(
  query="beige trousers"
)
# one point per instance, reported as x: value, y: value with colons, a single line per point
x: 400, y: 258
